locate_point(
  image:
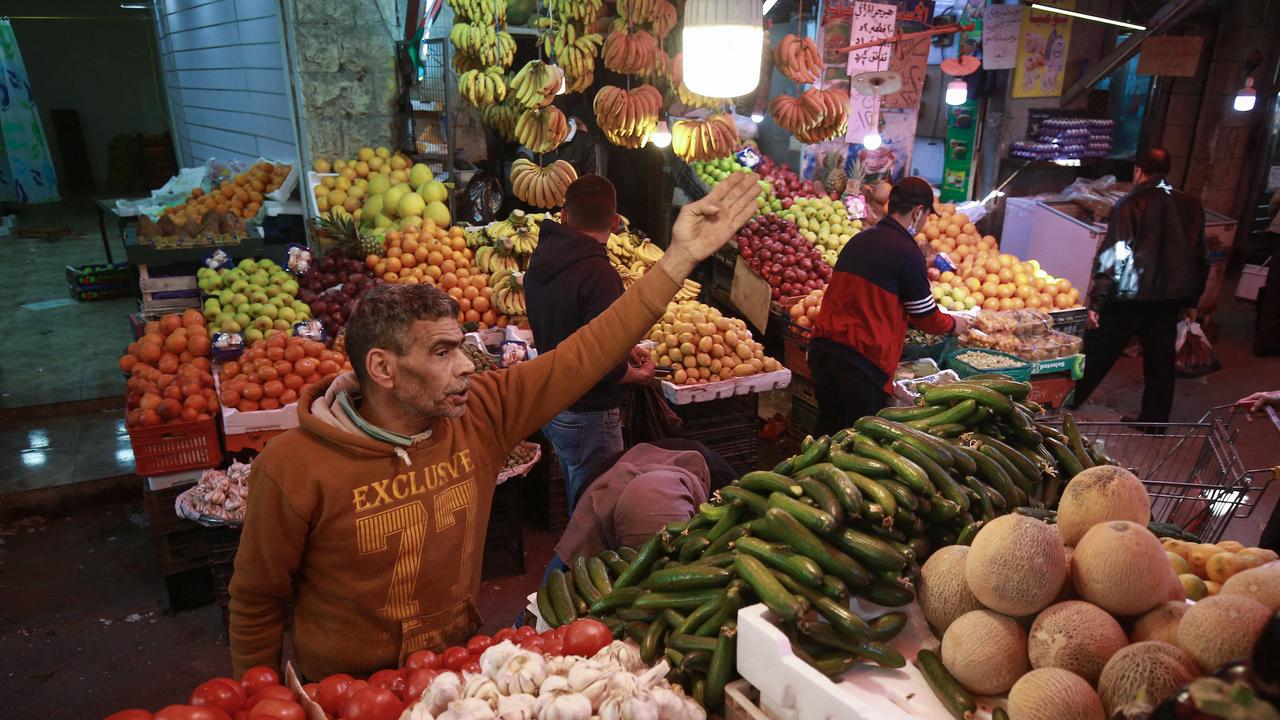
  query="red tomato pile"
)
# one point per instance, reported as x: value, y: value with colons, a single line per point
x: 383, y: 696
x: 271, y: 372
x: 169, y: 378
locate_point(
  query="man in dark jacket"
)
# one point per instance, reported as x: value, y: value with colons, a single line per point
x: 569, y: 282
x: 879, y: 287
x: 1150, y: 267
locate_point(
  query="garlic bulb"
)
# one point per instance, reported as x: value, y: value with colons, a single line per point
x: 669, y: 701
x: 693, y: 711
x: 591, y: 678
x: 561, y: 664
x: 468, y: 709
x: 553, y: 683
x: 623, y: 682
x: 482, y: 688
x: 446, y: 688
x: 564, y: 705
x: 624, y: 654
x: 416, y: 711
x: 524, y: 672
x: 520, y: 706
x: 496, y: 656
x: 653, y: 674
x: 629, y: 706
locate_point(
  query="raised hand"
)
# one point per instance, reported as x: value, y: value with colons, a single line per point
x: 704, y: 226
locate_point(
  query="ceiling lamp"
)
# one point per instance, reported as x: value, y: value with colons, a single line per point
x: 722, y: 46
x: 957, y: 92
x: 1246, y: 98
x: 872, y: 141
x: 661, y: 136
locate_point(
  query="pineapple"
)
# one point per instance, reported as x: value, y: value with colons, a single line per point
x: 836, y: 177
x: 342, y: 231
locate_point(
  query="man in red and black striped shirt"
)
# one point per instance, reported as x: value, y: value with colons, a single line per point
x: 878, y: 287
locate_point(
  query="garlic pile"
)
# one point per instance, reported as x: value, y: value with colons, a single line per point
x: 217, y: 494
x: 516, y: 684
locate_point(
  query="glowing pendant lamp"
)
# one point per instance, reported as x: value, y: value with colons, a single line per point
x: 722, y: 46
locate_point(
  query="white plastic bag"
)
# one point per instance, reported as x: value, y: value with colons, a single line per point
x: 1193, y: 356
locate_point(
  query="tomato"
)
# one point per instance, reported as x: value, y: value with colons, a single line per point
x: 557, y: 633
x: 389, y: 679
x: 373, y: 703
x: 423, y: 660
x: 130, y: 715
x: 586, y: 636
x: 418, y: 682
x: 504, y: 635
x: 479, y: 644
x: 279, y: 709
x: 256, y: 678
x: 525, y: 631
x: 472, y: 666
x: 235, y: 686
x: 191, y: 712
x: 270, y: 692
x: 311, y: 689
x: 455, y: 657
x: 353, y: 688
x: 553, y: 646
x: 533, y: 643
x: 215, y: 693
x: 331, y: 692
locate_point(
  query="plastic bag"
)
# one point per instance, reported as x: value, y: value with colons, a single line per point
x: 481, y: 199
x: 651, y: 415
x: 1193, y: 355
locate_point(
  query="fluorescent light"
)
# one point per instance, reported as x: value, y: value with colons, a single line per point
x: 1068, y: 162
x: 768, y: 5
x: 957, y: 92
x: 1086, y: 16
x: 757, y: 117
x: 872, y: 141
x: 722, y: 47
x: 661, y: 135
x: 1246, y: 98
x: 135, y: 6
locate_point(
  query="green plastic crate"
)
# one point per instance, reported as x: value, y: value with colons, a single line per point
x: 964, y: 370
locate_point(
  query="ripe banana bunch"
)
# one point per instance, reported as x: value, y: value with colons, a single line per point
x: 798, y: 59
x: 663, y: 20
x: 489, y: 260
x: 794, y: 114
x: 579, y: 83
x: 587, y: 10
x: 483, y: 87
x: 630, y: 53
x: 709, y: 139
x: 689, y: 291
x: 659, y: 15
x: 480, y: 45
x: 574, y: 53
x: 483, y: 12
x: 516, y: 235
x: 536, y: 85
x: 541, y: 186
x: 508, y: 292
x: 835, y: 116
x: 628, y: 117
x: 621, y: 249
x: 501, y: 117
x: 661, y: 69
x: 542, y: 129
x: 471, y: 38
x: 648, y: 253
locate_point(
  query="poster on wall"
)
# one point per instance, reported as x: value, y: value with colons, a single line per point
x: 957, y: 166
x: 909, y: 59
x: 1000, y: 27
x: 1170, y: 56
x: 871, y: 22
x: 1043, y: 39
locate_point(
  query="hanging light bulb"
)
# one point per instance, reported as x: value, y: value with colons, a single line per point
x: 722, y: 46
x: 957, y: 92
x: 661, y: 136
x: 872, y: 140
x: 1247, y: 97
x: 757, y: 117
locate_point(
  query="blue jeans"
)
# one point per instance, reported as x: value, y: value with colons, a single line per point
x: 583, y: 440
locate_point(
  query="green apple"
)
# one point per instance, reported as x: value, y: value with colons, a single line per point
x: 290, y: 286
x: 279, y: 277
x: 301, y: 308
x: 282, y: 300
x: 239, y: 286
x: 243, y: 320
x: 248, y: 265
x: 225, y: 296
x: 279, y: 324
x: 260, y: 278
x: 255, y: 308
x: 258, y: 295
x: 272, y: 290
x: 211, y: 315
x: 230, y: 326
x: 253, y: 334
x: 270, y: 311
x: 288, y: 315
x: 212, y: 303
x: 262, y: 322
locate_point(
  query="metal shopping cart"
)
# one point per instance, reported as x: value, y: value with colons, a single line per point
x: 1192, y: 471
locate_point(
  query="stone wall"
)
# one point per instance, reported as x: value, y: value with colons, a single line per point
x: 345, y: 73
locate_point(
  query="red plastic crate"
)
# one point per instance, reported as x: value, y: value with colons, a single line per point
x: 1052, y: 391
x: 175, y: 447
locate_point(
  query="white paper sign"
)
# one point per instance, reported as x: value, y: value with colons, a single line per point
x: 1000, y: 25
x: 871, y: 21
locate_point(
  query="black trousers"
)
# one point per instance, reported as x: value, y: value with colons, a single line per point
x: 1155, y: 322
x: 1266, y: 334
x: 844, y: 393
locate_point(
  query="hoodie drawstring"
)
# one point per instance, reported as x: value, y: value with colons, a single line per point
x: 403, y: 455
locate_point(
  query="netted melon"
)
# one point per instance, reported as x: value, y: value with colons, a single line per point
x: 1053, y: 694
x: 985, y: 651
x: 1221, y: 628
x: 1016, y: 565
x: 1099, y: 494
x: 1261, y: 584
x: 944, y: 595
x: 1121, y: 567
x: 1160, y: 623
x: 1075, y: 636
x: 1143, y: 674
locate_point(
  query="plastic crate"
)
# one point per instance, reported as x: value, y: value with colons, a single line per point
x: 953, y: 362
x: 1071, y: 322
x: 175, y: 447
x: 160, y: 513
x: 1052, y: 391
x: 688, y: 181
x: 504, y: 539
x: 114, y: 275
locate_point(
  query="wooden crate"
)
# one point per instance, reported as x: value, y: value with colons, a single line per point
x: 740, y: 702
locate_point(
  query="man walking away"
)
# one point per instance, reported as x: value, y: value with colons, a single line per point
x: 1150, y: 267
x: 878, y: 287
x: 570, y: 281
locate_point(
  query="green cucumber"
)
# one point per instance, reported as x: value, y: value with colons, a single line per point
x: 949, y: 430
x: 821, y: 495
x: 953, y: 415
x: 1024, y: 464
x: 683, y: 600
x: 887, y: 626
x: 902, y: 495
x: 985, y: 508
x: 582, y: 579
x: 910, y: 473
x: 673, y: 618
x: 876, y: 652
x: 871, y: 551
x: 726, y: 611
x: 720, y: 560
x: 1068, y: 464
x: 804, y: 570
x: 636, y: 630
x: 732, y: 516
x: 835, y: 588
x: 910, y: 414
x: 1015, y: 476
x: 754, y: 502
x: 614, y: 562
x: 875, y: 494
x: 1002, y: 384
x: 619, y: 598
x: 725, y: 541
x: 1075, y: 441
x: 690, y: 643
x: 838, y: 482
x: 545, y: 609
x: 887, y: 594
x: 765, y: 482
x: 599, y: 574
x: 958, y: 702
x: 630, y: 614
x: 701, y: 614
x: 811, y: 517
x: 816, y: 452
x: 652, y: 639
x: 579, y: 603
x: 687, y: 577
x: 771, y: 592
x: 968, y: 533
x: 959, y: 392
x: 990, y: 472
x: 853, y: 463
x: 888, y: 432
x: 639, y: 566
x: 723, y: 660
x: 782, y: 527
x: 693, y: 548
x: 836, y: 613
x: 941, y: 510
x: 940, y: 480
x: 561, y: 601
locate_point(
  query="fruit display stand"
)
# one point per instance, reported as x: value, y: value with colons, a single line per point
x: 185, y: 549
x: 721, y: 389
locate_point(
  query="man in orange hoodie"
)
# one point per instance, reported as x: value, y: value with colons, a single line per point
x: 370, y: 517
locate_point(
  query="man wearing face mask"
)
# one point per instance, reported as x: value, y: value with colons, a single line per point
x: 879, y: 287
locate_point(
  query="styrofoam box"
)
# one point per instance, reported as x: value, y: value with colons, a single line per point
x: 313, y: 179
x: 235, y: 422
x: 792, y: 690
x: 162, y: 482
x: 760, y: 382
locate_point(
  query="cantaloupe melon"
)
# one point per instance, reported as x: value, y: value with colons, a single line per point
x: 1075, y: 636
x: 1121, y: 567
x: 1016, y: 565
x: 1146, y: 672
x: 944, y: 595
x: 1160, y: 623
x: 1053, y: 694
x: 985, y: 651
x: 1266, y: 556
x: 1099, y: 494
x: 1221, y: 628
x: 1068, y: 590
x: 1261, y: 584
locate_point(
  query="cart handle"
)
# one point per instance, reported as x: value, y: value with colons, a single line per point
x: 1233, y: 411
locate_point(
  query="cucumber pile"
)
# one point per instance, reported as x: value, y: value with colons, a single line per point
x: 850, y: 515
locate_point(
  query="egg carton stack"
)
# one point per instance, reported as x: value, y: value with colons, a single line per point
x: 1067, y: 139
